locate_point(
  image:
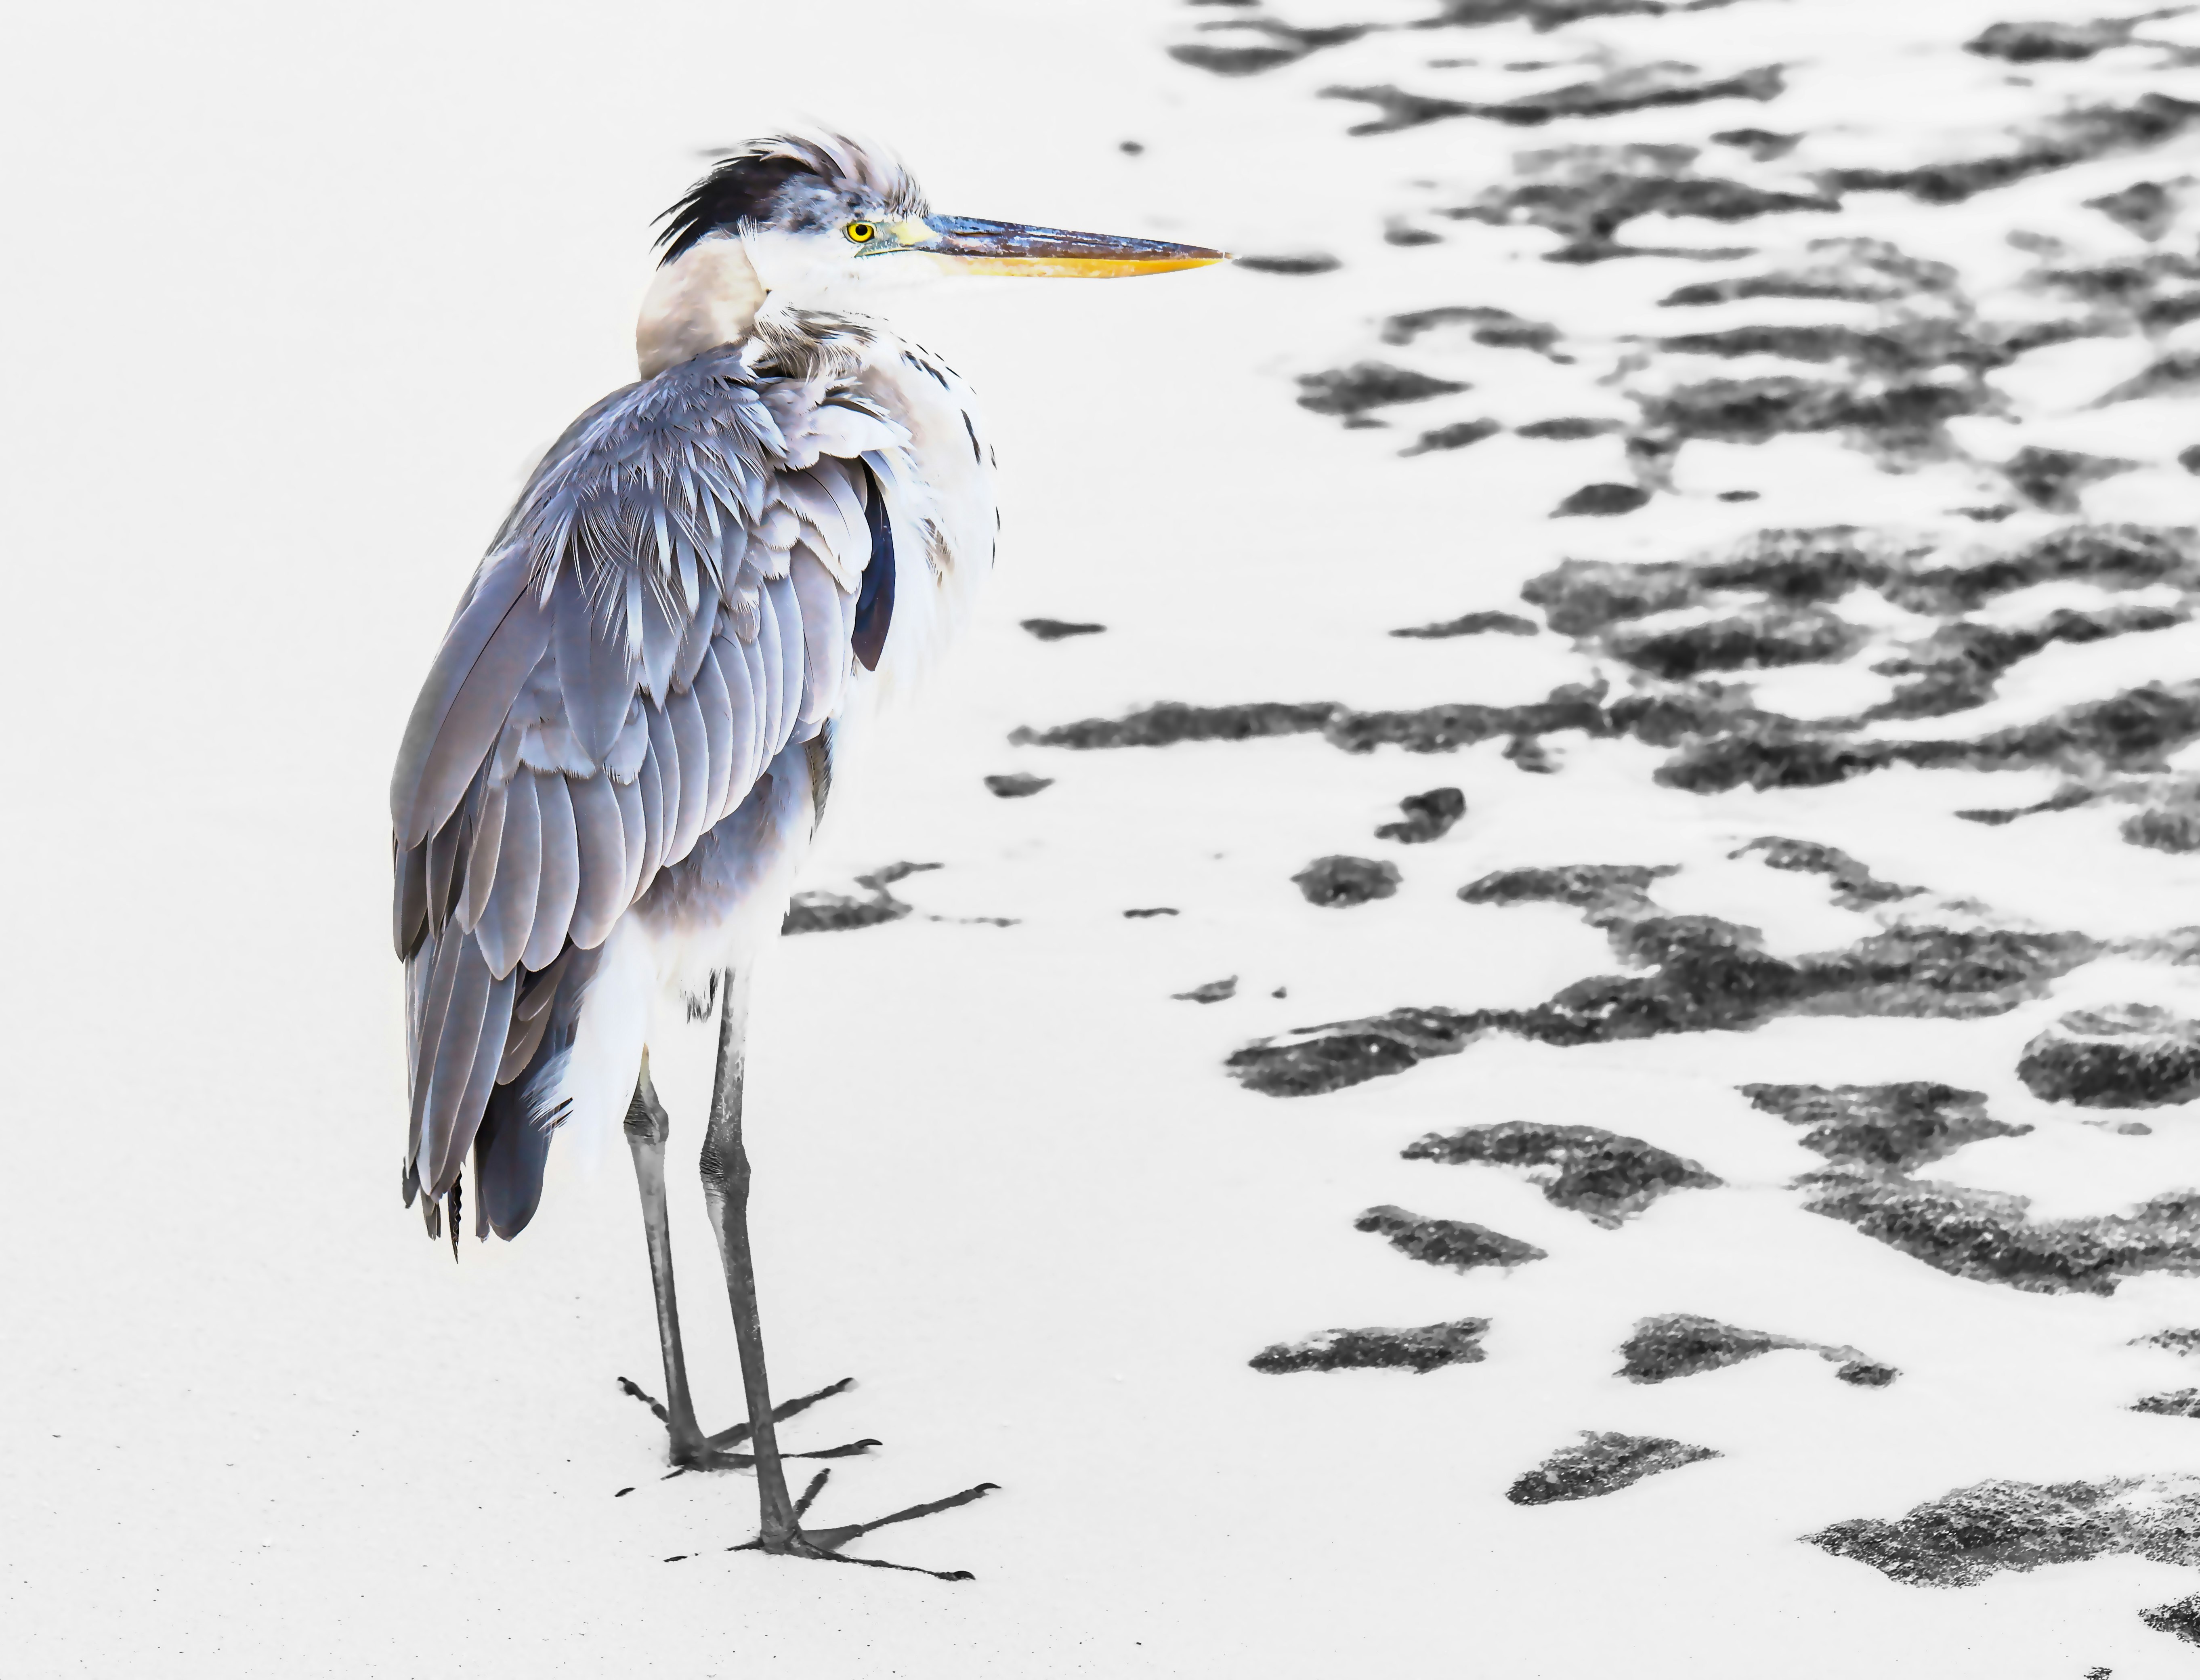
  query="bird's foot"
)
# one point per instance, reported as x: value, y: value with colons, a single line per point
x: 823, y: 1544
x: 692, y: 1450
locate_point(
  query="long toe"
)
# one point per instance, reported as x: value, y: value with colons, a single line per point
x: 832, y: 1539
x: 716, y: 1452
x: 824, y: 1544
x: 711, y: 1457
x: 780, y: 1413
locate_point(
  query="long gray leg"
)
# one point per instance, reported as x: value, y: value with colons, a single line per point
x: 725, y: 1171
x: 648, y: 1127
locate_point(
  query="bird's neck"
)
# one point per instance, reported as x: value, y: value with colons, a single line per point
x: 708, y: 296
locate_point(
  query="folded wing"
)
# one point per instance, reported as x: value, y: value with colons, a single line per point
x: 670, y: 606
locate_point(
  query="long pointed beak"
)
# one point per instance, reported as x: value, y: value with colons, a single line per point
x: 977, y: 247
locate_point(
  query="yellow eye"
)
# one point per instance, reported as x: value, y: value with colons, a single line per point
x: 861, y: 233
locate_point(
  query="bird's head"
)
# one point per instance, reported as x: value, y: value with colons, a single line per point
x: 822, y: 221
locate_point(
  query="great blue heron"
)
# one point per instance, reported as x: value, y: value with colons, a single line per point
x: 627, y: 738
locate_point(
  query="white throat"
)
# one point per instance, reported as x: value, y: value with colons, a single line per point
x: 710, y: 296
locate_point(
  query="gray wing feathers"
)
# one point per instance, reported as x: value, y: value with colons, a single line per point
x: 750, y: 656
x: 462, y: 1040
x: 725, y: 662
x: 651, y: 786
x: 816, y: 496
x: 664, y: 757
x: 445, y: 848
x: 787, y: 694
x: 488, y: 1054
x: 696, y: 639
x: 560, y: 882
x: 783, y: 665
x: 769, y: 680
x: 512, y: 1145
x: 823, y: 634
x: 685, y: 718
x: 669, y: 606
x: 713, y: 706
x: 634, y: 834
x: 593, y: 677
x: 851, y: 544
x: 510, y: 915
x: 652, y: 639
x: 600, y: 835
x: 481, y: 863
x: 530, y: 1014
x: 411, y: 900
x: 486, y: 657
x: 436, y: 968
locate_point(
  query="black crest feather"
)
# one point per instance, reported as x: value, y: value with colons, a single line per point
x: 745, y: 185
x: 738, y: 189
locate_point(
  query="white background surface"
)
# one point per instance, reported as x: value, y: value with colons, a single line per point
x: 295, y: 295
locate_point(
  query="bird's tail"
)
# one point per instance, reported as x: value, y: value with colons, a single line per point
x: 459, y: 1021
x: 512, y: 1049
x: 512, y: 1147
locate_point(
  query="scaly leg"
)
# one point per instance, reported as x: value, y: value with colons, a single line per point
x: 648, y: 1127
x: 725, y: 1171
